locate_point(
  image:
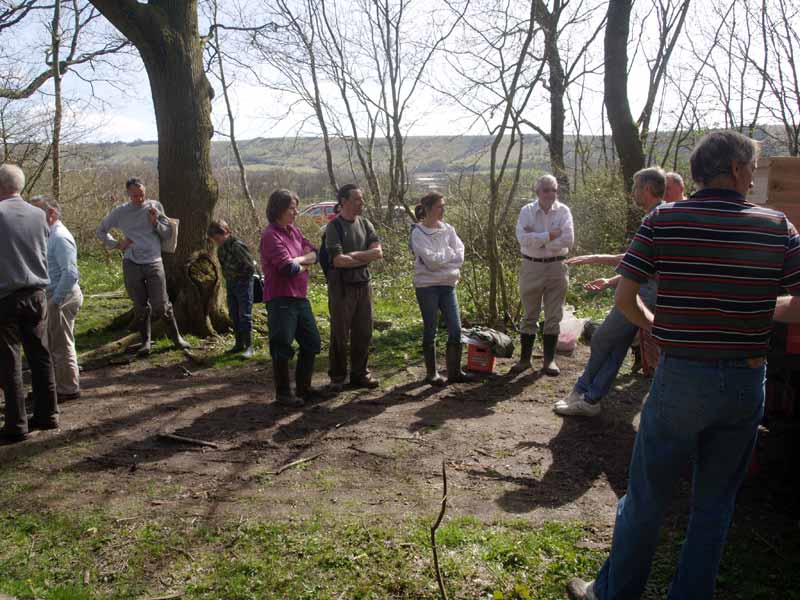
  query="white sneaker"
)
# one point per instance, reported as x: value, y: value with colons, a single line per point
x: 577, y: 589
x: 581, y: 408
x: 573, y: 397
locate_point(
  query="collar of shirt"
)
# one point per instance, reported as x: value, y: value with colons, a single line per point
x: 554, y: 208
x: 718, y: 194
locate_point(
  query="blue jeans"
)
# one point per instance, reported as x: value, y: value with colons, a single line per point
x: 291, y: 319
x: 609, y: 346
x: 706, y: 411
x: 240, y: 304
x: 432, y: 300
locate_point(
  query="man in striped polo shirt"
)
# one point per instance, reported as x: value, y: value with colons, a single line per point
x: 721, y: 263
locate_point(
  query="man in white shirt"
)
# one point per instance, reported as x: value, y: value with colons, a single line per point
x: 545, y: 234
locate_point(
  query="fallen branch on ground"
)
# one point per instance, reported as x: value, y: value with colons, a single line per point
x: 367, y: 452
x: 434, y: 527
x: 187, y: 440
x: 293, y: 464
x: 114, y: 347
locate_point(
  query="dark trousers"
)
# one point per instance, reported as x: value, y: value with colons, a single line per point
x: 147, y: 287
x: 350, y: 308
x: 240, y: 304
x: 23, y: 317
x: 291, y: 319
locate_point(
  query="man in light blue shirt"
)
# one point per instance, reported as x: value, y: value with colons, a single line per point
x: 64, y: 300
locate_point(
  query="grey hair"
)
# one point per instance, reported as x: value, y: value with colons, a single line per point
x: 545, y: 178
x: 676, y: 177
x: 714, y: 153
x: 12, y: 179
x: 655, y: 177
x: 46, y: 203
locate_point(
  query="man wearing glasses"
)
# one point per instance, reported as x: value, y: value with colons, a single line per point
x: 545, y: 234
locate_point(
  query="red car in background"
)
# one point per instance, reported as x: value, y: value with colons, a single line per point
x: 320, y: 212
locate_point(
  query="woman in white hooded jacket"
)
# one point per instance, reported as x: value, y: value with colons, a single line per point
x: 438, y: 254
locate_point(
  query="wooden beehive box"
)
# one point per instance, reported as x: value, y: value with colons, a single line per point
x: 776, y: 183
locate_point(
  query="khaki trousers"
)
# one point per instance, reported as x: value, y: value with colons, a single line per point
x: 542, y: 283
x: 350, y: 308
x: 60, y: 341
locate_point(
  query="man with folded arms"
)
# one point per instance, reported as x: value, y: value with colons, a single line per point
x: 721, y: 263
x: 545, y: 235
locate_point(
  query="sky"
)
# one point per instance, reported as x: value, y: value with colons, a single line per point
x: 121, y: 108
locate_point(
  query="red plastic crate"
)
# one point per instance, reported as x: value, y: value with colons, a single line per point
x: 480, y: 360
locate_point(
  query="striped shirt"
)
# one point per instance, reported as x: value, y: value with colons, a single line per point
x: 721, y: 262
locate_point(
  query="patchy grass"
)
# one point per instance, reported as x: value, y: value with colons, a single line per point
x: 69, y: 557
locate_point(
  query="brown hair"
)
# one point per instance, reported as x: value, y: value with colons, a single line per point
x: 134, y: 182
x: 218, y: 228
x: 426, y: 203
x: 279, y: 202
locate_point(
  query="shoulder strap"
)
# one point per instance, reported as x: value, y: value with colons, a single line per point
x: 339, y: 228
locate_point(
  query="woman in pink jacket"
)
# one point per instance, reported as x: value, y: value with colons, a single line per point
x: 286, y: 257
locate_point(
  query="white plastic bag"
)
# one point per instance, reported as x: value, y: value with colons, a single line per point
x: 571, y: 329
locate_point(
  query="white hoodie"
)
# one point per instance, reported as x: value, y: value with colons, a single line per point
x: 439, y: 255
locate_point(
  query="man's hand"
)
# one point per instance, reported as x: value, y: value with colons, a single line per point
x: 555, y: 233
x: 528, y: 229
x: 124, y: 244
x: 586, y: 259
x: 598, y: 285
x: 153, y: 217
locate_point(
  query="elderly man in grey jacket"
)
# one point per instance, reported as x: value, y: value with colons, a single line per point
x: 23, y: 310
x: 144, y: 226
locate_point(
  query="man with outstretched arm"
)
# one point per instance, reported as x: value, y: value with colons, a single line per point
x: 611, y: 341
x: 721, y: 263
x: 144, y: 226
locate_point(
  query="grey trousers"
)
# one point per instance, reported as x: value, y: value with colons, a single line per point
x: 60, y: 341
x: 147, y: 288
x: 542, y: 283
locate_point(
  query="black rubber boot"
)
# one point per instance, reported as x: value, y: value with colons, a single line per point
x: 237, y: 347
x: 246, y: 339
x: 453, y: 359
x: 549, y: 365
x: 304, y: 371
x: 174, y: 334
x: 432, y: 376
x: 283, y: 386
x: 526, y: 351
x: 144, y: 333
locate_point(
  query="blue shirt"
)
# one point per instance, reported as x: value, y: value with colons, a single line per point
x: 62, y: 263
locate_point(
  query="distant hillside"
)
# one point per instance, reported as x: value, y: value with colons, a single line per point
x: 425, y: 154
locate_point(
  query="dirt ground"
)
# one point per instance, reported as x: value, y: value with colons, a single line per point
x: 372, y: 453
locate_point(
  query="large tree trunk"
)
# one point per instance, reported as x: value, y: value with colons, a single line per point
x: 624, y: 131
x: 166, y: 35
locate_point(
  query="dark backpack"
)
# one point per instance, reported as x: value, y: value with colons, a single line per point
x: 325, y: 262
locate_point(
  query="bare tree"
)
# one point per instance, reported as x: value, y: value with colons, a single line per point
x: 563, y: 69
x: 629, y: 136
x: 167, y: 36
x: 497, y: 65
x: 217, y: 55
